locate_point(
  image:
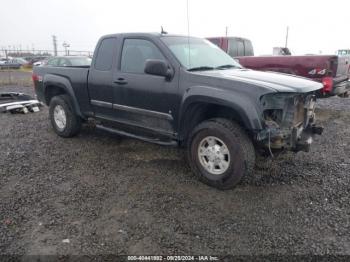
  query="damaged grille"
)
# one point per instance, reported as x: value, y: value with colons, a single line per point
x: 288, y: 121
x: 298, y: 113
x: 288, y: 111
x: 293, y: 112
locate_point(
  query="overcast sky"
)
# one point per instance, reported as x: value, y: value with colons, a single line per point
x: 315, y: 26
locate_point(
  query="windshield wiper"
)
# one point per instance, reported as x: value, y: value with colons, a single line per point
x: 227, y: 66
x: 201, y: 68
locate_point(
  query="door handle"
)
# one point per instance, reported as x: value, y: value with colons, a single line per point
x: 120, y: 81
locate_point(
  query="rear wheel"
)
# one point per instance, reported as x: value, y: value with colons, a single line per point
x: 65, y: 122
x: 220, y: 153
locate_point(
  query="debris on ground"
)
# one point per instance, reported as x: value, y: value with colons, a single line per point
x: 18, y: 103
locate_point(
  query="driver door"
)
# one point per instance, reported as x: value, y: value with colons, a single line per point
x: 140, y: 99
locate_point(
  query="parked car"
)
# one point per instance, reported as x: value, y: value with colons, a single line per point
x: 20, y: 60
x: 34, y: 59
x: 3, y: 60
x: 281, y: 51
x: 14, y: 63
x: 41, y: 62
x: 185, y: 91
x: 330, y: 70
x: 68, y: 61
x: 343, y: 52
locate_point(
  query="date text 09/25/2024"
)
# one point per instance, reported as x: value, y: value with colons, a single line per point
x: 172, y: 258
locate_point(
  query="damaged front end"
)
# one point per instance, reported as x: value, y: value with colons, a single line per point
x: 289, y: 121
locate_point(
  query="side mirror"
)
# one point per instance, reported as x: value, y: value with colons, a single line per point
x: 158, y: 68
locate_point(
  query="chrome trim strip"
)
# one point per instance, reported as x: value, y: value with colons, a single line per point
x: 101, y: 103
x: 143, y: 111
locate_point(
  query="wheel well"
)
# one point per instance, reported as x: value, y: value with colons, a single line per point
x: 51, y: 91
x: 200, y: 112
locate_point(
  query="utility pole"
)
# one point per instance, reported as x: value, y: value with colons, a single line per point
x: 66, y: 45
x: 54, y: 40
x: 287, y: 37
x: 9, y: 71
x: 226, y: 30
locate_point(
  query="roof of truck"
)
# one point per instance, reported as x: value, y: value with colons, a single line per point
x: 150, y: 34
x: 227, y: 37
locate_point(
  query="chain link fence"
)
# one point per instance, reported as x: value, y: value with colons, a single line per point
x: 13, y: 53
x: 10, y: 73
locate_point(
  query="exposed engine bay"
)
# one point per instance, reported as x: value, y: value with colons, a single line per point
x: 289, y: 121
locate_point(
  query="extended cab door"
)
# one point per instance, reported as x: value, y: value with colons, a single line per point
x: 100, y: 81
x: 142, y: 100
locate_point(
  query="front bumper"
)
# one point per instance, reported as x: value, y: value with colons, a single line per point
x: 297, y: 139
x: 303, y: 140
x: 294, y: 129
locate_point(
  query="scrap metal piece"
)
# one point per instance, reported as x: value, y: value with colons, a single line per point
x: 13, y: 109
x: 18, y: 103
x: 14, y: 96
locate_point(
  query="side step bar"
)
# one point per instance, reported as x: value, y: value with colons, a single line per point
x: 150, y: 140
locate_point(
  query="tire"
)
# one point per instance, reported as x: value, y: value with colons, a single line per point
x: 65, y: 122
x: 238, y: 162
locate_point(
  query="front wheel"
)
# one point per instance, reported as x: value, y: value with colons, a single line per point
x: 220, y: 153
x: 65, y: 122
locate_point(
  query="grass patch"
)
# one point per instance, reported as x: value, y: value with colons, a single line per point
x: 20, y: 77
x: 21, y: 82
x: 24, y: 69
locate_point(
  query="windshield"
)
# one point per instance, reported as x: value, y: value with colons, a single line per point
x: 197, y: 53
x: 21, y: 60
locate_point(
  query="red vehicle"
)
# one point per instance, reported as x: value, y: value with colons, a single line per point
x: 331, y: 70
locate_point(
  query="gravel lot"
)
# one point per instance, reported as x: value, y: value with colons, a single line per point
x: 108, y: 194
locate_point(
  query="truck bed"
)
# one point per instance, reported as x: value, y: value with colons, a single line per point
x: 77, y: 77
x: 314, y: 67
x: 296, y: 65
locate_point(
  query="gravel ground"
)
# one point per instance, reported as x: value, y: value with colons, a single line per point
x: 113, y: 195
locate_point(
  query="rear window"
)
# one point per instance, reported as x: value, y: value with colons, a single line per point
x: 104, y: 57
x: 215, y: 41
x: 240, y: 47
x: 233, y: 47
x: 248, y: 48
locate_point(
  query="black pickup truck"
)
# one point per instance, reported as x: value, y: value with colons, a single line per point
x: 178, y: 90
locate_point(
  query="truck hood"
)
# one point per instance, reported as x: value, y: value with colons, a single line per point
x: 277, y: 81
